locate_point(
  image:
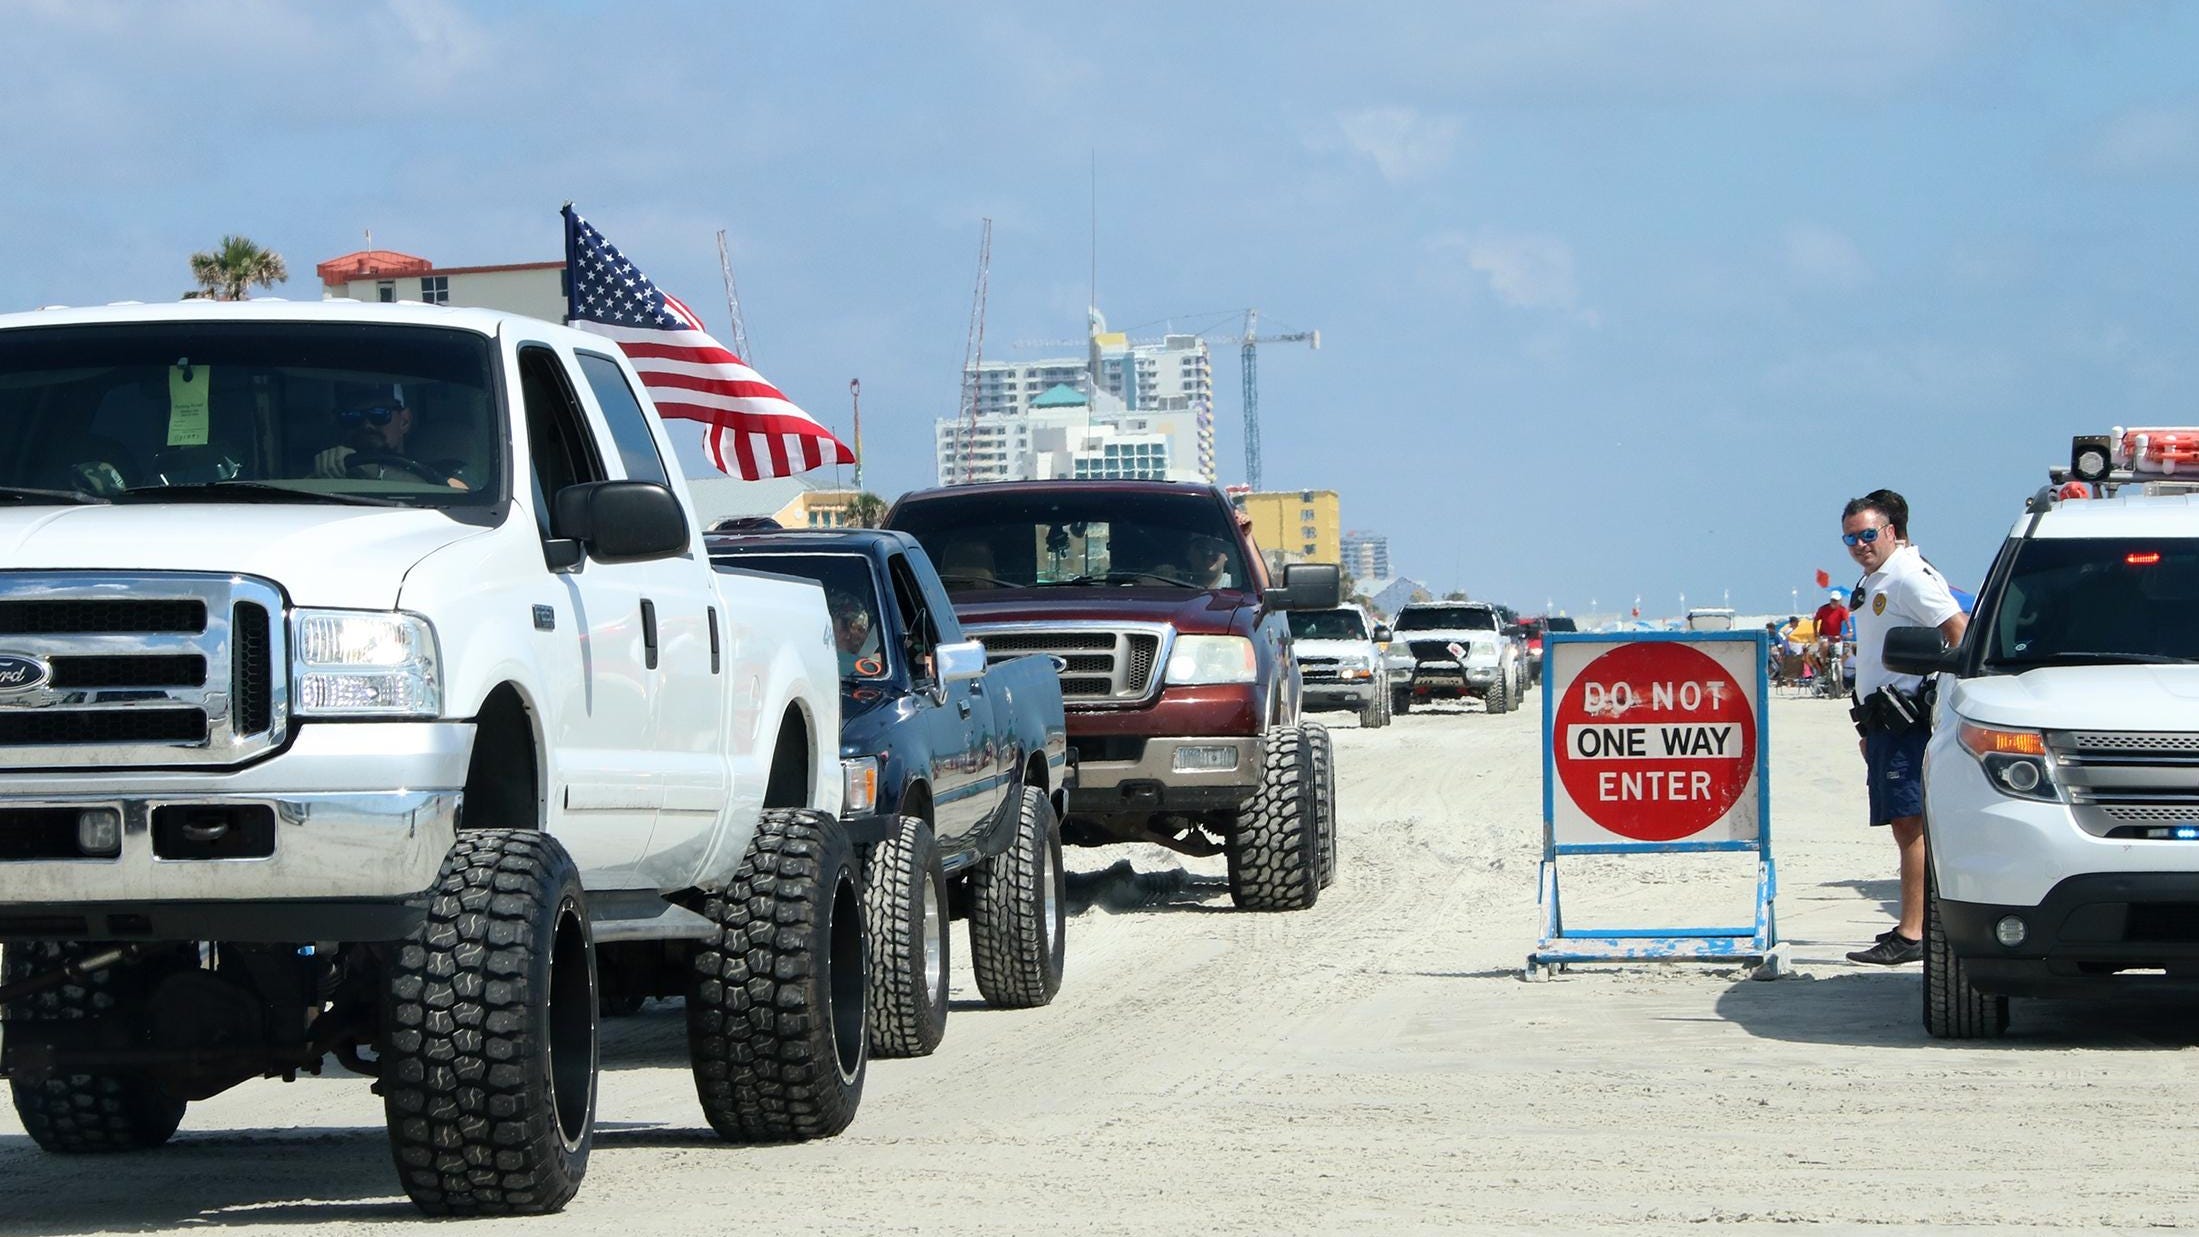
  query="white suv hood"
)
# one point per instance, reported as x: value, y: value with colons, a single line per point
x: 351, y: 557
x: 2084, y: 698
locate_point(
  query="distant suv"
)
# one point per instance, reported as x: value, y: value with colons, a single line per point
x: 2062, y: 779
x: 1340, y: 661
x: 1460, y: 652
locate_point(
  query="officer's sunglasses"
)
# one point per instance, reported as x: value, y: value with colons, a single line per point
x: 376, y: 415
x: 1863, y: 537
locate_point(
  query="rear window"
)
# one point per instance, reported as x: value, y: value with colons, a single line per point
x: 1077, y: 537
x: 1447, y: 618
x: 1559, y: 624
x: 1327, y: 625
x: 2107, y: 600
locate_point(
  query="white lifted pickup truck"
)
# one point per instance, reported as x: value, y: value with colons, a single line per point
x: 2062, y: 777
x: 365, y: 687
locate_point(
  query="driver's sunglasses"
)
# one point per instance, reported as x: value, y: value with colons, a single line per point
x: 1863, y: 537
x: 376, y: 415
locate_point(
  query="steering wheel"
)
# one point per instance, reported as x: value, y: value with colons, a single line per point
x: 389, y: 459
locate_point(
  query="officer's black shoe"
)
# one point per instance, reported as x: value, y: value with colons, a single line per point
x: 1892, y: 950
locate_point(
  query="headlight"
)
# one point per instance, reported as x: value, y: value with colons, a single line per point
x: 859, y: 775
x: 359, y: 663
x: 2015, y: 761
x: 1211, y: 659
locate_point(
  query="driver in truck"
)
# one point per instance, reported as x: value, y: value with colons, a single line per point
x: 377, y: 426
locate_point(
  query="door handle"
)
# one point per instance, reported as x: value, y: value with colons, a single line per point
x: 649, y: 633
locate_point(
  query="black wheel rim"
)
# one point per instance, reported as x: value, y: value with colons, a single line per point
x: 572, y: 1027
x: 844, y: 987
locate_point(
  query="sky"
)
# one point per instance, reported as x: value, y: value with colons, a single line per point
x: 1616, y: 298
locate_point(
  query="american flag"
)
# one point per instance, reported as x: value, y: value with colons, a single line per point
x: 754, y: 430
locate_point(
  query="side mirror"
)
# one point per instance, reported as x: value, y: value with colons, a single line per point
x: 1382, y: 634
x: 957, y: 663
x: 1918, y: 650
x: 1309, y: 586
x: 621, y: 521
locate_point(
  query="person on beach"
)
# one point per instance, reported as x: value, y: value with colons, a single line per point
x: 1893, y: 712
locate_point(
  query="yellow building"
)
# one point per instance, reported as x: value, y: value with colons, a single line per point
x: 1306, y: 525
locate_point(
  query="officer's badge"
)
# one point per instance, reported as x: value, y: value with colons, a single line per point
x: 1878, y: 604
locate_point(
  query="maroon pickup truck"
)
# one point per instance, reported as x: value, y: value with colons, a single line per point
x: 1176, y: 664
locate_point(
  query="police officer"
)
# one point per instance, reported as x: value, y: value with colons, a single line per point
x: 1899, y: 589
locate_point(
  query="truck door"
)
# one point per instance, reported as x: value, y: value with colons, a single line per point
x: 685, y: 664
x: 588, y: 628
x: 965, y: 784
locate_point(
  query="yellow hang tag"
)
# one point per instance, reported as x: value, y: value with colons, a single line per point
x: 187, y: 390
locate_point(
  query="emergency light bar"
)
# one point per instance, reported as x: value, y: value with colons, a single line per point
x: 2155, y: 450
x: 2163, y: 460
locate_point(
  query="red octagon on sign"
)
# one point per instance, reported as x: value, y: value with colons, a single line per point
x: 1654, y: 741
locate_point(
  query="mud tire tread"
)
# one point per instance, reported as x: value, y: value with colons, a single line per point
x: 905, y: 1020
x: 1016, y: 949
x: 466, y: 1085
x: 759, y: 1018
x: 1275, y: 848
x: 89, y: 1114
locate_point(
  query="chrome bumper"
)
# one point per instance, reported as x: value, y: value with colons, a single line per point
x: 380, y: 816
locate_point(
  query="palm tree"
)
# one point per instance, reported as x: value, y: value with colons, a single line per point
x: 866, y: 510
x: 235, y: 265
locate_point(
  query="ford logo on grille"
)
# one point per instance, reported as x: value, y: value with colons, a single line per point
x: 21, y: 674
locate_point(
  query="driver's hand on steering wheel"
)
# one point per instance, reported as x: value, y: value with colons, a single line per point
x: 330, y: 463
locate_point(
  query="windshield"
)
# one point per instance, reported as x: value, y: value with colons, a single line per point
x: 2096, y: 600
x: 1558, y: 624
x: 1447, y: 618
x: 851, y: 595
x: 322, y: 411
x: 1327, y: 625
x: 1078, y: 537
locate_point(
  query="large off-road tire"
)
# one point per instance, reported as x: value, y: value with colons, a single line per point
x: 905, y: 918
x: 489, y: 1047
x: 1401, y: 701
x: 1953, y: 1009
x: 1018, y: 911
x: 1499, y: 699
x: 81, y: 1113
x: 1323, y: 756
x: 775, y: 1010
x: 1275, y: 846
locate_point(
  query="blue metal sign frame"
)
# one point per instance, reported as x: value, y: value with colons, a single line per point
x: 1555, y: 947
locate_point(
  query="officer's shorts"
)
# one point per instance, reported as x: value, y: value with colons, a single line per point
x: 1895, y: 761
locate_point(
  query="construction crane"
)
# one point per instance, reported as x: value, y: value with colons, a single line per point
x: 1251, y: 342
x: 973, y: 352
x: 739, y: 337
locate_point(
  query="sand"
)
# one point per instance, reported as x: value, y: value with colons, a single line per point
x: 1372, y: 1065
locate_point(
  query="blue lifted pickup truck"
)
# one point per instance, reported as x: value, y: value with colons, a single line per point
x: 971, y: 762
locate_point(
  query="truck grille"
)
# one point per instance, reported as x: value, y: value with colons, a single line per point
x: 2118, y: 779
x: 1101, y: 665
x: 1437, y: 650
x: 141, y: 670
x: 1317, y: 669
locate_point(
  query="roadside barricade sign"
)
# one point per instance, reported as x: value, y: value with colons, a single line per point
x: 1654, y: 743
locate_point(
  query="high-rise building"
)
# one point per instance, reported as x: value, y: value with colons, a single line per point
x: 1366, y: 555
x: 1123, y: 409
x: 1305, y: 525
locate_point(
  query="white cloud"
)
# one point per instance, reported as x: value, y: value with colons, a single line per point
x: 1531, y: 270
x: 1403, y: 144
x: 2148, y: 140
x: 1824, y: 258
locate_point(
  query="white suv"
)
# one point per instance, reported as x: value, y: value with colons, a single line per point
x: 2062, y: 780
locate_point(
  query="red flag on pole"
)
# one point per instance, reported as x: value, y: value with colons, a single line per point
x: 1824, y: 579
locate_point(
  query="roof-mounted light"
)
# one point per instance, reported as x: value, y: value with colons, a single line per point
x: 2090, y: 457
